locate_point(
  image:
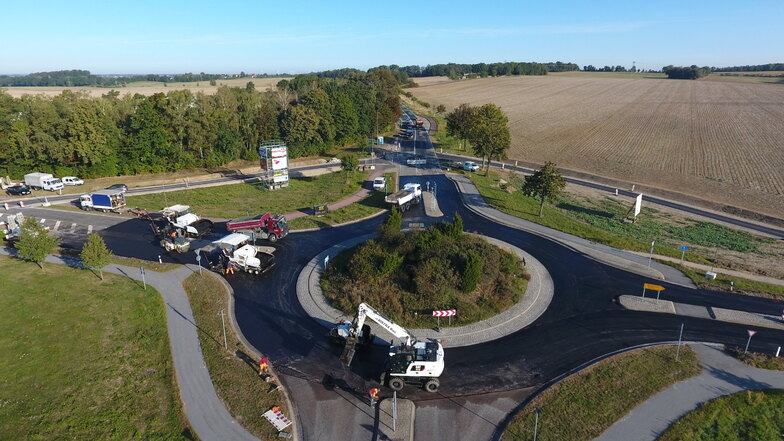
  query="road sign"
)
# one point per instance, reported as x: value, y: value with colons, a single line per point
x: 751, y: 332
x: 684, y: 248
x: 445, y: 313
x: 653, y: 287
x: 277, y: 419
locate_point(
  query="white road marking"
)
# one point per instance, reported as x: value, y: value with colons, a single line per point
x: 56, y: 226
x: 89, y: 229
x: 73, y: 227
x: 42, y: 221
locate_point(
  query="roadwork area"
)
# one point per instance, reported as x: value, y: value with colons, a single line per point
x: 638, y: 303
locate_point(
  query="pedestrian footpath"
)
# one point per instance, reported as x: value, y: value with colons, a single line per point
x: 721, y: 375
x: 206, y: 413
x: 603, y: 253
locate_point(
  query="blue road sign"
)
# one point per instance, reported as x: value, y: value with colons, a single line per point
x: 684, y: 248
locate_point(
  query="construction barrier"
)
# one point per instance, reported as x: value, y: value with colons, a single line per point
x: 21, y: 204
x: 277, y: 419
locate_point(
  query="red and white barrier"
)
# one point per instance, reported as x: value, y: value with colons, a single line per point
x: 5, y: 204
x: 276, y: 417
x: 21, y: 204
x: 445, y: 313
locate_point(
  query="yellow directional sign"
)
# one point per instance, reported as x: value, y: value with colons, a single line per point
x: 653, y: 287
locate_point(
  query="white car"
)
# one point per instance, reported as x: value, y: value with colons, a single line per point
x: 470, y: 166
x: 72, y: 180
x: 379, y: 183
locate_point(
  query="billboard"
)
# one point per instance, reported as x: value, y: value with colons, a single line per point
x: 282, y: 176
x: 638, y: 205
x: 278, y: 152
x: 279, y: 163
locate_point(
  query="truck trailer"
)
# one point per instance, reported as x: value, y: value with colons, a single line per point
x: 103, y: 200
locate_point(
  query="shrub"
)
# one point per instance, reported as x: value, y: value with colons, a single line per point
x: 471, y: 274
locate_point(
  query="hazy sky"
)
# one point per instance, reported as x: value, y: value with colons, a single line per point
x: 173, y: 36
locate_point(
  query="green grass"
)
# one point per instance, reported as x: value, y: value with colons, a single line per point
x: 747, y: 415
x: 586, y: 404
x: 364, y: 208
x: 236, y: 200
x: 128, y: 261
x: 600, y: 221
x: 234, y: 373
x: 83, y: 359
x: 722, y: 281
x: 758, y: 360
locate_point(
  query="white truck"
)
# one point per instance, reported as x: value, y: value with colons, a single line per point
x: 410, y: 194
x: 416, y: 160
x: 236, y: 249
x: 380, y: 183
x: 103, y: 200
x: 410, y: 361
x: 189, y: 224
x: 43, y: 181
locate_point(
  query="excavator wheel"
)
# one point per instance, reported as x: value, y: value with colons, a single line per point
x: 432, y: 385
x: 396, y: 384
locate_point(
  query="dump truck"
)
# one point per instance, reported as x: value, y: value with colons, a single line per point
x: 262, y: 226
x: 188, y: 224
x: 103, y: 200
x: 410, y: 194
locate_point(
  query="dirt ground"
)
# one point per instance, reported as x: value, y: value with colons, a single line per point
x: 714, y: 141
x: 147, y: 87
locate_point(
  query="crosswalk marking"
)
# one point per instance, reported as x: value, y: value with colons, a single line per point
x: 89, y: 229
x: 73, y: 227
x: 56, y: 226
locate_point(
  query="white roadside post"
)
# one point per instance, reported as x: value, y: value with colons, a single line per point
x: 650, y: 256
x: 198, y: 260
x: 678, y: 351
x: 223, y: 323
x: 536, y: 424
x: 394, y: 411
x: 144, y: 279
x: 751, y: 334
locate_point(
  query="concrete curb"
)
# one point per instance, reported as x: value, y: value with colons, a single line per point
x: 533, y: 304
x: 406, y: 417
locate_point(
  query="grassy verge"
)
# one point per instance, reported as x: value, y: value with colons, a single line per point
x: 234, y: 373
x: 128, y: 261
x: 600, y: 221
x: 747, y: 415
x: 229, y: 201
x: 722, y: 281
x: 84, y: 359
x: 364, y: 208
x: 585, y: 405
x: 757, y: 360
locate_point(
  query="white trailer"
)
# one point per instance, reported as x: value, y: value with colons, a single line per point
x: 43, y: 181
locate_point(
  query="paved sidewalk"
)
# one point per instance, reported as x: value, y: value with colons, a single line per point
x: 721, y: 375
x: 706, y: 268
x: 206, y: 413
x: 533, y: 304
x: 611, y: 256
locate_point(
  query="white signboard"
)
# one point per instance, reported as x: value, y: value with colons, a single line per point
x: 638, y: 205
x: 280, y: 178
x: 277, y: 152
x: 280, y: 163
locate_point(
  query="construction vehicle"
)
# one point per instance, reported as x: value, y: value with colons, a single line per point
x: 262, y: 226
x: 410, y: 194
x: 410, y: 362
x: 236, y: 248
x: 103, y: 200
x: 420, y: 122
x: 188, y: 224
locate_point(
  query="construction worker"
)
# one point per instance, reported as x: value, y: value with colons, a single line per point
x: 263, y: 366
x: 373, y: 394
x: 229, y: 267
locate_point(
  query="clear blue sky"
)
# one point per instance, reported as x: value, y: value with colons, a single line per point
x: 174, y: 36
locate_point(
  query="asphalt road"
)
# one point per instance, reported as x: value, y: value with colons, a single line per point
x: 582, y: 323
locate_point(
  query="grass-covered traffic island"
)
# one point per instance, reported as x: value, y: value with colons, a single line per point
x: 408, y: 275
x: 82, y: 358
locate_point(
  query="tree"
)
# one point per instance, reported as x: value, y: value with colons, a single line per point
x: 94, y: 253
x: 250, y: 87
x: 472, y: 273
x: 489, y: 132
x: 301, y: 124
x: 545, y: 184
x: 458, y: 122
x: 440, y: 109
x: 34, y: 242
x: 349, y: 163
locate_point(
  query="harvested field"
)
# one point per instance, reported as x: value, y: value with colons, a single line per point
x: 147, y: 87
x: 715, y: 140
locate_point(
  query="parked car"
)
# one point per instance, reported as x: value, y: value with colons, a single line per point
x: 470, y: 166
x: 379, y: 183
x: 18, y: 190
x: 122, y: 187
x: 72, y: 180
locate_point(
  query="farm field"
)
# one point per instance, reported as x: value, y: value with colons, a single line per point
x: 147, y: 87
x: 714, y: 140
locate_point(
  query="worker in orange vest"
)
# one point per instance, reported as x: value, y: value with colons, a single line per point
x: 373, y: 393
x: 263, y: 366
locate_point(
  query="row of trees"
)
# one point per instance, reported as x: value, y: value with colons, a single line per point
x: 73, y: 134
x: 686, y: 73
x: 486, y: 128
x: 72, y: 78
x: 752, y: 68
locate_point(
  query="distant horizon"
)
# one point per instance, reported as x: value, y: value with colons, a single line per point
x: 311, y: 36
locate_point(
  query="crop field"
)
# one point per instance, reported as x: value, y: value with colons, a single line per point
x: 147, y: 87
x: 716, y: 140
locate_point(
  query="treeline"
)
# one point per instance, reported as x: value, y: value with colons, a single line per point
x: 753, y: 68
x: 619, y: 68
x: 686, y: 73
x: 455, y: 70
x: 74, y: 78
x: 73, y: 134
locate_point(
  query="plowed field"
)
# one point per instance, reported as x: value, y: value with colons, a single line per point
x: 720, y: 141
